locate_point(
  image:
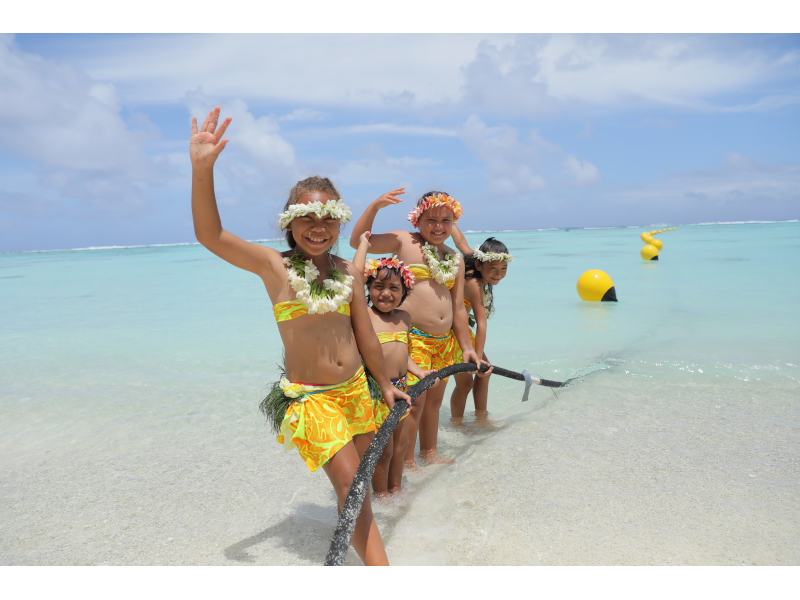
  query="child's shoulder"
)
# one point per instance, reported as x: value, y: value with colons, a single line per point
x: 344, y: 265
x: 402, y: 316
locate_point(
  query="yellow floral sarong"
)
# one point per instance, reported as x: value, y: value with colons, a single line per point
x: 431, y: 352
x: 458, y: 356
x: 324, y: 418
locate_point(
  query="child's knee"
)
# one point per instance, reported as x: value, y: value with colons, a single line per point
x: 464, y: 385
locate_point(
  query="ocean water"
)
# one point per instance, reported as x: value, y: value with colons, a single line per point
x: 130, y: 434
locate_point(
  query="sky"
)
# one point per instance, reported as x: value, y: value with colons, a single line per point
x: 527, y: 131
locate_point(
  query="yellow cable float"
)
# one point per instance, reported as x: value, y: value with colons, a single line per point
x: 653, y: 245
x: 596, y: 286
x: 650, y: 252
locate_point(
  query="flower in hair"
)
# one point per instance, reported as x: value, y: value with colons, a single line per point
x: 432, y: 201
x: 491, y: 256
x: 332, y: 208
x: 373, y: 266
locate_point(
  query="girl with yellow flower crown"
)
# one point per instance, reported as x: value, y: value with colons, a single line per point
x: 438, y: 317
x: 324, y: 326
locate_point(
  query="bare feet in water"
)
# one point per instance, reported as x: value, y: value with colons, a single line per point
x: 482, y: 420
x: 411, y: 465
x: 431, y: 457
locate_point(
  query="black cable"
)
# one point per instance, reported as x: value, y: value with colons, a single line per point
x: 361, y: 482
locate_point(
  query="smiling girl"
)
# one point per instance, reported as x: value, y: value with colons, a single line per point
x: 484, y: 268
x: 389, y: 281
x: 438, y: 317
x: 324, y: 326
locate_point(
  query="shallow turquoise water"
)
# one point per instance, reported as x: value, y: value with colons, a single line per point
x: 116, y: 360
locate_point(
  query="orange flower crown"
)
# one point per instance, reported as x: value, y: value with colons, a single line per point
x: 435, y: 200
x: 373, y: 266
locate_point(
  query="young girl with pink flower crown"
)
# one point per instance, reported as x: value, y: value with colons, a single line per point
x: 438, y: 317
x: 389, y: 281
x: 324, y: 326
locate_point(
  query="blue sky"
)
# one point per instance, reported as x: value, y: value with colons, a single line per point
x: 527, y: 131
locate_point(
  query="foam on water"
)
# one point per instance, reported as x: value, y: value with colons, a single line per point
x: 130, y: 379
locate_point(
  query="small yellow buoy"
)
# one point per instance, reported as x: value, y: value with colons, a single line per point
x: 657, y: 243
x: 596, y: 286
x: 650, y: 252
x: 647, y: 238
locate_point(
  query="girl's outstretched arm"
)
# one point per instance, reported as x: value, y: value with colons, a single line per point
x: 416, y: 370
x: 360, y: 258
x: 205, y: 146
x: 460, y: 241
x: 380, y: 243
x: 460, y: 319
x: 474, y: 293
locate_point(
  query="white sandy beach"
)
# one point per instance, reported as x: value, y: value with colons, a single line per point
x: 596, y: 477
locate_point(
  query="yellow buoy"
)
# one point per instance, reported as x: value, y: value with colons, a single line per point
x: 650, y: 252
x: 596, y: 286
x: 647, y: 238
x: 657, y: 243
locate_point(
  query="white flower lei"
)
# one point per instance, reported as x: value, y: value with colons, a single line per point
x: 491, y: 256
x: 443, y: 270
x: 487, y: 297
x: 318, y: 298
x: 334, y: 208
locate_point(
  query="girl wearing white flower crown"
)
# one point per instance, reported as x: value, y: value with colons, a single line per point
x: 439, y: 322
x: 324, y: 326
x: 484, y: 268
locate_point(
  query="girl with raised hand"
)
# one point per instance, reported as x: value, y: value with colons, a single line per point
x: 438, y: 317
x: 484, y: 268
x: 388, y: 282
x: 324, y: 326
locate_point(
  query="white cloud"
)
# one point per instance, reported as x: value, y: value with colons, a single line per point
x: 521, y: 165
x: 384, y: 128
x: 70, y: 126
x: 302, y: 114
x: 513, y: 74
x: 582, y: 171
x: 738, y: 189
x: 54, y: 114
x: 318, y: 70
x: 536, y: 74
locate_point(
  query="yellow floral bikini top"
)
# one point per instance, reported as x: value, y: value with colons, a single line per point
x: 392, y: 336
x: 291, y: 309
x: 422, y: 272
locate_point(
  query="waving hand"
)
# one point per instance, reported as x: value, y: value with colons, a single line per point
x: 205, y: 144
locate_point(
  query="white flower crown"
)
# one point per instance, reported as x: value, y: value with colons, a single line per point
x: 490, y: 256
x: 333, y: 208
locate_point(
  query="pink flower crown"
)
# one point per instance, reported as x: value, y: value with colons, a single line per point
x: 435, y: 200
x: 373, y: 266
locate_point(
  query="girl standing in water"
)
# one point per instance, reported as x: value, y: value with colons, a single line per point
x: 439, y: 322
x: 324, y: 326
x: 484, y: 268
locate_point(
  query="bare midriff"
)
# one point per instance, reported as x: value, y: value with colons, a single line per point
x: 320, y: 349
x: 430, y: 306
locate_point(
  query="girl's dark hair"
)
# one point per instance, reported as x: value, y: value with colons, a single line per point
x: 389, y: 272
x: 470, y: 272
x: 309, y: 184
x: 429, y: 194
